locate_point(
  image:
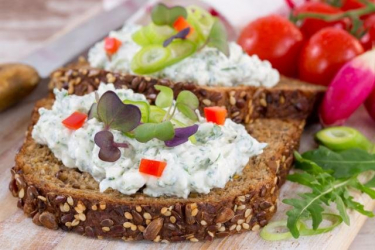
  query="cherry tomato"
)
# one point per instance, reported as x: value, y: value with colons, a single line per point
x: 310, y: 26
x: 368, y: 40
x: 275, y: 39
x: 325, y: 53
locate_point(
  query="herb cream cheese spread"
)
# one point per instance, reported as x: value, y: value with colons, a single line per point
x: 218, y: 154
x: 206, y: 67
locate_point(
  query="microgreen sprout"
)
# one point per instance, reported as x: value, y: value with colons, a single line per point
x: 157, y: 123
x: 162, y: 15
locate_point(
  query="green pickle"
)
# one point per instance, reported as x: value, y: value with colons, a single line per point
x: 343, y: 138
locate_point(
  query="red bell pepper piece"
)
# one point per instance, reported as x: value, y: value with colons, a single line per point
x: 152, y: 167
x: 181, y: 24
x: 75, y: 120
x: 111, y: 45
x: 215, y: 114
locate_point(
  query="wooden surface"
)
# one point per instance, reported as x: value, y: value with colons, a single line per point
x: 20, y: 32
x: 26, y: 24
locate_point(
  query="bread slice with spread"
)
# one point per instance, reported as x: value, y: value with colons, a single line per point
x: 120, y: 150
x: 219, y: 72
x: 56, y: 196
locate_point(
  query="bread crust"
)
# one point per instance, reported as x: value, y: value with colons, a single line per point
x: 246, y: 203
x: 289, y: 99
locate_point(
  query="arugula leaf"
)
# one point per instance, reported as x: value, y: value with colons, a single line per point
x: 342, y: 209
x: 344, y: 164
x: 117, y: 115
x: 305, y: 179
x: 330, y: 175
x: 306, y: 165
x: 165, y: 96
x: 218, y: 37
x: 162, y: 15
x: 351, y: 204
x: 163, y: 131
x: 311, y: 203
x: 356, y: 184
x: 371, y: 183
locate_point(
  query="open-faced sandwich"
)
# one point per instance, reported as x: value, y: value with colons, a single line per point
x: 120, y: 149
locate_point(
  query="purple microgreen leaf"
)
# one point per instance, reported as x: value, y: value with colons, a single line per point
x: 181, y: 135
x: 218, y: 38
x: 163, y: 131
x: 180, y: 35
x: 162, y: 15
x: 110, y: 154
x: 109, y: 149
x: 117, y: 115
x: 93, y: 112
x: 187, y: 111
x: 165, y: 96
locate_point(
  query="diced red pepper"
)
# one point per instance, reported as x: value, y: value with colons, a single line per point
x: 215, y: 114
x: 152, y: 167
x: 181, y: 24
x: 111, y: 45
x: 75, y: 120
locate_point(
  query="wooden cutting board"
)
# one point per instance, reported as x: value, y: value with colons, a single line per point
x: 18, y: 232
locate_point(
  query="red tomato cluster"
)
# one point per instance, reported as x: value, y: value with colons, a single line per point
x: 314, y: 49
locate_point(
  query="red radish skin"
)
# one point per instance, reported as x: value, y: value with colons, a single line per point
x: 370, y: 104
x: 348, y: 90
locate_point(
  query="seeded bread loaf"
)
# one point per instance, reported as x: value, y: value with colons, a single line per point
x: 289, y: 99
x: 55, y: 196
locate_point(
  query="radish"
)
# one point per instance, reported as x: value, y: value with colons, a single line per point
x: 370, y: 104
x: 348, y: 90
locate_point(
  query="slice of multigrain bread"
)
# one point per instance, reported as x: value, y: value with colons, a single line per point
x: 59, y: 197
x: 289, y: 99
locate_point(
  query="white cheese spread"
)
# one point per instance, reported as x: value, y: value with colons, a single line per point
x: 219, y: 153
x: 206, y: 67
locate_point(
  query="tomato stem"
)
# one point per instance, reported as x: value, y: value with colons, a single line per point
x: 369, y: 8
